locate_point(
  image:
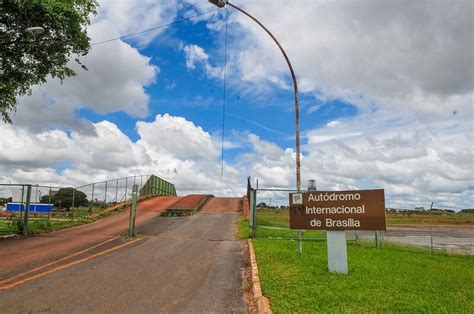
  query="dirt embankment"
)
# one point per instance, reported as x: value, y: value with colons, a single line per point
x: 223, y: 205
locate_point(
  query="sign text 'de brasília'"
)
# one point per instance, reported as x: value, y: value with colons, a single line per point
x: 341, y: 210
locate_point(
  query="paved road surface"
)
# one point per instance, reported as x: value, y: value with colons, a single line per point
x: 182, y: 264
x: 18, y: 254
x: 459, y: 239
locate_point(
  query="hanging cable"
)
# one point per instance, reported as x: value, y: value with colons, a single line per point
x: 224, y: 95
x: 154, y: 28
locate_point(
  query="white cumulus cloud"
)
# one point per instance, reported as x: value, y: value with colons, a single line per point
x: 196, y: 55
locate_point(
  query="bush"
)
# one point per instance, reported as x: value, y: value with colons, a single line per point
x: 63, y: 198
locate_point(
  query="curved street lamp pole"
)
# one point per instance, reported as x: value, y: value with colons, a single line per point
x: 221, y: 4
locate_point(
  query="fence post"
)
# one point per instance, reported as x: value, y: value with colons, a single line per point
x: 72, y: 206
x: 300, y: 242
x: 22, y: 200
x: 49, y: 202
x: 431, y: 226
x: 27, y: 210
x: 133, y: 211
x: 252, y: 212
x: 378, y: 239
x: 92, y: 200
x: 126, y: 187
x: 105, y: 196
x: 116, y: 191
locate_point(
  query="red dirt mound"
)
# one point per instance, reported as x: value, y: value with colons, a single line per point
x: 157, y: 204
x: 190, y: 204
x: 223, y: 205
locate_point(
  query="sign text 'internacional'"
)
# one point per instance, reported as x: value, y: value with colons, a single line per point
x: 341, y: 210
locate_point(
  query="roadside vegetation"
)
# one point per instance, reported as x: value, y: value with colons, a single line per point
x: 12, y: 223
x: 436, y: 218
x: 279, y: 217
x: 394, y: 278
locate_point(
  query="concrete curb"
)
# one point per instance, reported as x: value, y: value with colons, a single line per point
x: 8, y: 236
x: 263, y: 305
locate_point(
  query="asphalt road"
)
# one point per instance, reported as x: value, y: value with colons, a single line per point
x: 20, y: 254
x: 180, y: 265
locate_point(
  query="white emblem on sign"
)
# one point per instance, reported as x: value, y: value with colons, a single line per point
x: 297, y: 199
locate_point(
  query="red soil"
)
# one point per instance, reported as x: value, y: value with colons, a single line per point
x: 157, y: 204
x: 190, y: 202
x: 223, y: 205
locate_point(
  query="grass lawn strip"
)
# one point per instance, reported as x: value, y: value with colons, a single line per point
x: 281, y: 218
x: 393, y: 279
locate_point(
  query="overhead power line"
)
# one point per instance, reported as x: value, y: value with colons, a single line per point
x: 153, y: 29
x: 224, y: 95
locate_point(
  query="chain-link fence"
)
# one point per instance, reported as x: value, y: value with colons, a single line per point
x: 419, y: 223
x: 26, y: 208
x: 99, y: 195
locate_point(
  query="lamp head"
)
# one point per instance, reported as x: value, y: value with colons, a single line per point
x: 219, y: 3
x: 37, y: 30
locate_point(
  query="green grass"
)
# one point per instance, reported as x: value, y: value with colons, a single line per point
x: 393, y: 279
x: 273, y: 217
x: 39, y: 223
x: 242, y: 228
x: 4, y: 228
x: 427, y: 219
x: 270, y: 220
x: 281, y: 218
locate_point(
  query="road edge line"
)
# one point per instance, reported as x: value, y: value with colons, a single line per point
x: 57, y: 261
x: 263, y: 305
x: 12, y: 285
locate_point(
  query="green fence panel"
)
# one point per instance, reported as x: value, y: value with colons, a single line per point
x: 156, y: 186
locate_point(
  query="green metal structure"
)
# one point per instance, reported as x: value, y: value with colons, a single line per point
x: 156, y: 186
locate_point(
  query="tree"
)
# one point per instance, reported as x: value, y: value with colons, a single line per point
x: 27, y: 59
x: 63, y: 198
x: 4, y: 200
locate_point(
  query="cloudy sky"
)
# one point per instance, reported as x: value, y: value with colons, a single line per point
x: 386, y: 100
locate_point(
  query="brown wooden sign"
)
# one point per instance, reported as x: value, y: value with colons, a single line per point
x: 338, y: 210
